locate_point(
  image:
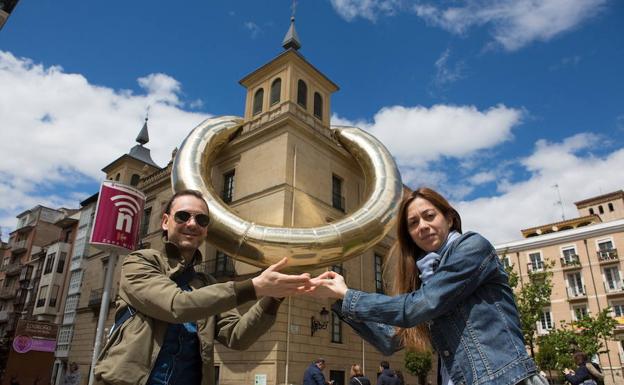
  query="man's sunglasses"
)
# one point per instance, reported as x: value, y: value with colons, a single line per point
x: 184, y: 216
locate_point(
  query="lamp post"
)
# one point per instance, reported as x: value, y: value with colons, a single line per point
x: 316, y: 325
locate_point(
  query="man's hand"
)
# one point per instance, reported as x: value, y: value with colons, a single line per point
x: 272, y: 283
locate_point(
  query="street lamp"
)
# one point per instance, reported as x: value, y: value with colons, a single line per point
x: 316, y: 325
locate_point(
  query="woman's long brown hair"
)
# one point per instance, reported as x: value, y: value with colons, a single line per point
x: 405, y: 250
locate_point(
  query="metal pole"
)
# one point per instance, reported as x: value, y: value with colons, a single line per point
x: 99, y: 331
x: 362, y: 288
x: 287, y: 343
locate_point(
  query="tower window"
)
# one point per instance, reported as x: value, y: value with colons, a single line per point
x: 257, y: 103
x: 318, y: 105
x: 276, y: 90
x: 135, y: 179
x: 302, y: 93
x: 337, y: 198
x: 611, y: 209
x: 379, y: 285
x: 117, y: 176
x: 591, y: 211
x: 600, y: 209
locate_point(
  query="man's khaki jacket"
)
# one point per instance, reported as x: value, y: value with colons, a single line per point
x: 131, y: 351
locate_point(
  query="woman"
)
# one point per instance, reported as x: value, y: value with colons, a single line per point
x: 582, y: 374
x: 450, y: 291
x: 357, y: 377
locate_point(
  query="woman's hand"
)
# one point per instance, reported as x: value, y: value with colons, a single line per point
x: 328, y: 285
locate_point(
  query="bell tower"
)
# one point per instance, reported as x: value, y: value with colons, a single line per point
x: 288, y: 83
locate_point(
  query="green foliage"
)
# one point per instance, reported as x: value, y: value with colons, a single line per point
x: 418, y: 364
x: 587, y: 335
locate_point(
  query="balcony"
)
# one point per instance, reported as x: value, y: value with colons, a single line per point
x: 25, y: 273
x: 18, y: 246
x: 4, y: 316
x: 95, y: 299
x: 570, y: 263
x: 576, y: 293
x: 607, y: 256
x: 13, y: 268
x: 614, y: 288
x: 7, y: 292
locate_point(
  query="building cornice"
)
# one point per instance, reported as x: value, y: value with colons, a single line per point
x: 550, y: 239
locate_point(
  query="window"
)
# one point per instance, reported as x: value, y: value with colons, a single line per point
x: 228, y: 186
x: 506, y: 262
x: 71, y: 304
x: 600, y: 209
x: 223, y: 265
x: 42, y: 296
x: 575, y: 285
x: 61, y: 262
x: 145, y: 221
x: 606, y: 250
x: 318, y: 105
x: 379, y: 286
x: 54, y: 295
x: 611, y: 209
x: 67, y: 237
x: 569, y: 255
x: 257, y: 102
x: 579, y: 312
x: 337, y: 198
x: 302, y: 93
x: 336, y: 330
x: 65, y: 335
x: 134, y: 180
x: 618, y: 309
x: 536, y: 263
x: 49, y: 263
x: 337, y: 376
x: 546, y: 322
x: 591, y: 211
x: 117, y: 176
x: 612, y: 279
x: 276, y: 90
x: 75, y: 280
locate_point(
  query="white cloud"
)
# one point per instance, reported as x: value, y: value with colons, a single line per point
x: 57, y: 128
x: 419, y: 134
x: 446, y: 73
x: 513, y: 23
x: 253, y: 28
x: 531, y: 202
x: 367, y: 9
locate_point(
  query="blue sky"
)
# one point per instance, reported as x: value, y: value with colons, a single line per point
x: 492, y: 102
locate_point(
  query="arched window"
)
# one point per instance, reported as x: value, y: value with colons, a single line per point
x: 318, y: 105
x: 302, y: 93
x: 135, y: 179
x: 257, y: 103
x: 276, y: 90
x: 117, y: 176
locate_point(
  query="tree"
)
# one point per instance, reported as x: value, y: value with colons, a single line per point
x: 531, y: 300
x: 418, y: 364
x: 587, y: 335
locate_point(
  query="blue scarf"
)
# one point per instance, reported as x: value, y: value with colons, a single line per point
x: 429, y: 263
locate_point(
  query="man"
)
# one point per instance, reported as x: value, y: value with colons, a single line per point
x: 314, y: 374
x: 168, y: 315
x: 387, y: 375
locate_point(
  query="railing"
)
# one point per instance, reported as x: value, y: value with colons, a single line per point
x: 613, y: 287
x: 537, y: 266
x: 571, y: 262
x: 607, y: 255
x: 13, y: 268
x: 4, y: 316
x: 576, y: 292
x: 17, y: 246
x: 7, y: 292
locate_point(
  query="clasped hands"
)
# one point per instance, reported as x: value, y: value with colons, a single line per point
x: 272, y: 283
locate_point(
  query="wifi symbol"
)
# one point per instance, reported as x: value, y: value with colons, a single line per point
x: 127, y: 208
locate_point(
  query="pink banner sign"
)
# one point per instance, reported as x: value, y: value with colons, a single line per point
x: 43, y: 345
x: 118, y: 217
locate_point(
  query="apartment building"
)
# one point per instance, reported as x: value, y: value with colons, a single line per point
x: 283, y: 168
x: 587, y: 273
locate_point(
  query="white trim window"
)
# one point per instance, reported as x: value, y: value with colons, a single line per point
x: 569, y: 255
x: 576, y: 288
x: 612, y: 279
x: 579, y: 312
x: 618, y: 309
x: 536, y: 263
x: 606, y: 249
x: 546, y: 321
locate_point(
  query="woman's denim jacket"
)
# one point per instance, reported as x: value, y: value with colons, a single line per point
x: 469, y: 308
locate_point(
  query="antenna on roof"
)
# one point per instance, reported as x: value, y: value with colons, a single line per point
x: 559, y: 202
